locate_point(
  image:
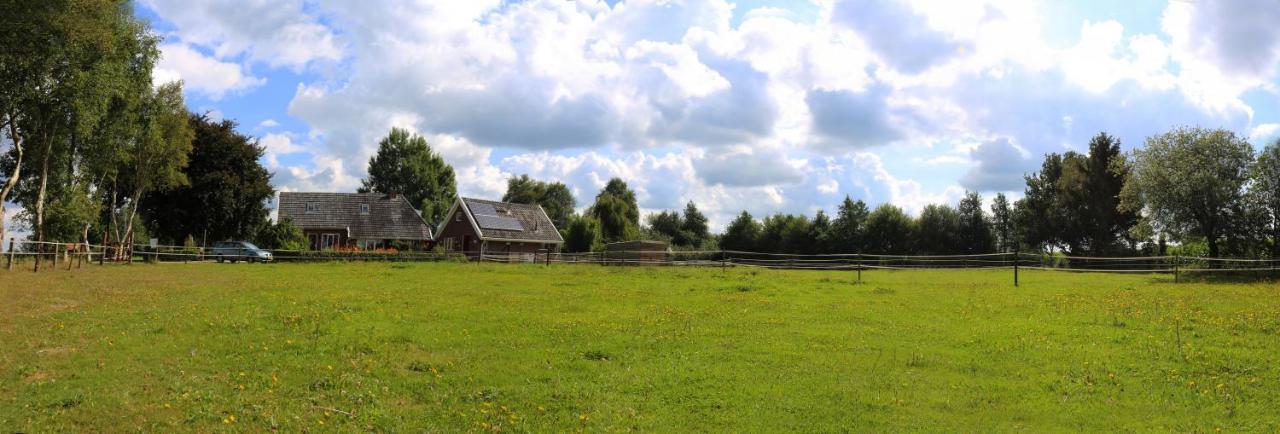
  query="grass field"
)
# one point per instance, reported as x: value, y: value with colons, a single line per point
x: 466, y: 347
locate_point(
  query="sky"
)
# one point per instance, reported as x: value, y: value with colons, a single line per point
x: 764, y: 106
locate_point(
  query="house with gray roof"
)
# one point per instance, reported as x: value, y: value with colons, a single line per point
x: 514, y: 231
x: 359, y: 220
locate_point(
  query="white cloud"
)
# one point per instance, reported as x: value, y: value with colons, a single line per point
x: 277, y: 145
x: 1261, y: 134
x: 274, y: 32
x: 773, y: 114
x: 202, y: 74
x: 269, y: 123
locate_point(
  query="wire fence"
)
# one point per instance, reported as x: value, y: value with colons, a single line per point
x: 68, y: 255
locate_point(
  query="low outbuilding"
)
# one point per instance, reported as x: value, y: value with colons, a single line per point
x: 637, y: 252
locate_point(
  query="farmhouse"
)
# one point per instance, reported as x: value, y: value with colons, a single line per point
x: 360, y: 220
x: 518, y: 231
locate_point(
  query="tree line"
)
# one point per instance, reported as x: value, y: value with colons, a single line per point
x: 1201, y: 192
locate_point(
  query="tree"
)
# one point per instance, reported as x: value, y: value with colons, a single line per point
x: 523, y: 189
x: 227, y: 189
x: 555, y: 197
x: 784, y: 233
x: 742, y: 234
x: 558, y: 202
x: 405, y: 164
x: 1190, y: 182
x: 1073, y: 203
x: 693, y: 228
x: 1002, y: 224
x: 282, y: 235
x: 937, y: 231
x: 1106, y: 172
x: 1036, y: 215
x: 820, y: 234
x: 849, y: 227
x: 888, y: 231
x: 158, y: 158
x: 582, y: 235
x: 1264, y: 193
x: 63, y: 65
x: 975, y: 231
x: 665, y: 225
x: 616, y: 210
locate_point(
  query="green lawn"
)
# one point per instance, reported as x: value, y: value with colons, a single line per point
x: 466, y: 347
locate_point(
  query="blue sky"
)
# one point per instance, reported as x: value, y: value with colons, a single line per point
x: 768, y: 106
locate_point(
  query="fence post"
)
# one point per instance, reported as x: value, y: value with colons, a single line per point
x: 1016, y: 257
x: 10, y: 265
x: 859, y: 259
x: 724, y: 262
x: 68, y: 257
x: 1177, y: 260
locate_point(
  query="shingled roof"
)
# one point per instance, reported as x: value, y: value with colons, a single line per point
x: 511, y: 222
x: 389, y: 217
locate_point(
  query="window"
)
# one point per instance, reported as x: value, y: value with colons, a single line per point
x: 457, y: 217
x: 328, y: 241
x: 313, y: 207
x: 364, y: 209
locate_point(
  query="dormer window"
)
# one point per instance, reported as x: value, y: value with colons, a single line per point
x: 364, y: 209
x: 313, y: 207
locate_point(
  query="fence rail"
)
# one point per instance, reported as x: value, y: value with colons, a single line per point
x: 67, y: 254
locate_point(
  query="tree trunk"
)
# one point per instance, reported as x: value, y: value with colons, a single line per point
x: 128, y: 230
x: 1211, y: 237
x: 13, y: 177
x: 44, y: 183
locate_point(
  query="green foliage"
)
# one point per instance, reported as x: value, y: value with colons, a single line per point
x: 937, y: 231
x: 66, y: 69
x: 848, y: 230
x: 785, y: 233
x: 1190, y: 182
x: 1002, y: 224
x: 1264, y: 195
x: 1073, y: 202
x: 742, y: 234
x: 690, y: 230
x: 693, y: 230
x: 227, y: 190
x: 583, y: 235
x: 616, y: 210
x: 283, y: 235
x: 405, y: 164
x: 888, y: 231
x: 974, y: 234
x: 554, y: 197
x: 820, y: 234
x: 664, y: 225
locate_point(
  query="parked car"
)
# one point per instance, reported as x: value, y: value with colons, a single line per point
x: 239, y: 251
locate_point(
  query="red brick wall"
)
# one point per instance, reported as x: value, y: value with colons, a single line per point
x: 458, y: 230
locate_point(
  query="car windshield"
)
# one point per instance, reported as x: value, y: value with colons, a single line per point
x: 250, y: 246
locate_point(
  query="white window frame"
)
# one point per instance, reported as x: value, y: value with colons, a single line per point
x: 313, y: 207
x: 329, y: 241
x: 364, y: 209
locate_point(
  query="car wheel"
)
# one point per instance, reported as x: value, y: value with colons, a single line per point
x: 219, y: 258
